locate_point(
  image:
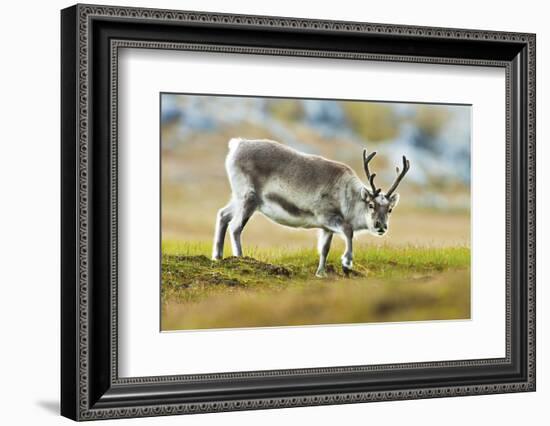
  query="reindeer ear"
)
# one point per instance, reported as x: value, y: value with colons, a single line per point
x: 394, y: 199
x: 365, y: 195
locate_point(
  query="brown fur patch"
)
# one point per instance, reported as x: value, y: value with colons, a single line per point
x: 288, y: 206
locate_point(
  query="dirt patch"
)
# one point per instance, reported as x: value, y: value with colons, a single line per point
x: 183, y: 272
x: 330, y: 269
x: 251, y: 265
x: 246, y: 265
x: 352, y: 273
x: 219, y: 279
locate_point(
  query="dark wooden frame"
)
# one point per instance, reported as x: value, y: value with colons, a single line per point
x: 90, y: 38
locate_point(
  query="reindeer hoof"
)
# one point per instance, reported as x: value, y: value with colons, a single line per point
x: 216, y: 257
x: 321, y: 274
x: 347, y: 264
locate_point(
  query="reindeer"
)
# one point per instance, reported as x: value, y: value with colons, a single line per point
x: 302, y: 191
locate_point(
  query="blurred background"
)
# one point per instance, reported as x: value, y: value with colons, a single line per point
x: 435, y: 196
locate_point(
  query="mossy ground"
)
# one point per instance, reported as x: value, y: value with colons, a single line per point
x: 278, y: 287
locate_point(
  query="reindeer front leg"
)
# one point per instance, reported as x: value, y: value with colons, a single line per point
x: 325, y: 238
x: 347, y: 257
x: 337, y: 224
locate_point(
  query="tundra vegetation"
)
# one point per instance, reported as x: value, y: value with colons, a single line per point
x: 419, y: 271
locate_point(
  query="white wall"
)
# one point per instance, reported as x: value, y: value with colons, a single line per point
x: 29, y: 229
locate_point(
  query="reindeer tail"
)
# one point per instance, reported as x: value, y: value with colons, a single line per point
x: 234, y: 143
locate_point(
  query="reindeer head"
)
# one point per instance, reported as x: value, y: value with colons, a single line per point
x: 380, y: 205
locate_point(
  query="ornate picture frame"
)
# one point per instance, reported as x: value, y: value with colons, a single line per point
x: 91, y: 37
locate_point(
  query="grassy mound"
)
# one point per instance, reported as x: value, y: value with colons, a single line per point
x: 278, y: 288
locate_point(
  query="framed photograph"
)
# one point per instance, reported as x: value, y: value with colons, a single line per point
x: 263, y: 212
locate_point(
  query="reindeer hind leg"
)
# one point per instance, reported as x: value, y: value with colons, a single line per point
x: 325, y: 238
x: 347, y: 257
x: 223, y: 218
x: 244, y: 209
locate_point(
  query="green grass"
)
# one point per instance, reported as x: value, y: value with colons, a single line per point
x: 278, y: 287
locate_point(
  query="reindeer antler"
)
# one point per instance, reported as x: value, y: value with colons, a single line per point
x: 366, y: 161
x: 400, y: 176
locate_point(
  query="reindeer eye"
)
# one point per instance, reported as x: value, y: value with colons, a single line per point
x: 389, y: 211
x: 371, y: 205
